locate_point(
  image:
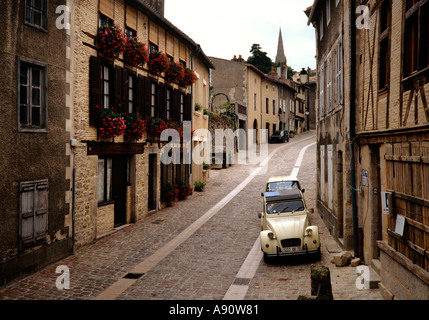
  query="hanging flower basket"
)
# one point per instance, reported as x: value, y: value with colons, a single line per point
x: 110, y: 40
x: 189, y: 78
x: 112, y: 124
x: 158, y: 62
x: 174, y: 73
x: 135, y: 127
x: 136, y: 53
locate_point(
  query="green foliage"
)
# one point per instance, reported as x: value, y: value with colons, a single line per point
x: 199, y: 186
x: 260, y: 59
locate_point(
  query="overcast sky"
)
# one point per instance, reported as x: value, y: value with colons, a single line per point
x: 225, y: 28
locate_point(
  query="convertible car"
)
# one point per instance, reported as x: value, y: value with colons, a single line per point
x: 285, y: 229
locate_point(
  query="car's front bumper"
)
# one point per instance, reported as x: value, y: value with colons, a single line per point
x: 301, y: 252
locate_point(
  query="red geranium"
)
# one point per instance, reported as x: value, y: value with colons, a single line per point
x: 110, y: 40
x: 136, y: 53
x: 158, y: 62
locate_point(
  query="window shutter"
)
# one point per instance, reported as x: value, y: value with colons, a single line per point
x: 162, y: 101
x: 187, y: 112
x: 33, y: 212
x: 41, y: 211
x: 147, y: 96
x: 131, y: 17
x: 124, y: 90
x: 95, y: 90
x: 140, y: 95
x: 153, y: 33
x: 107, y: 7
x: 176, y: 105
x: 118, y: 104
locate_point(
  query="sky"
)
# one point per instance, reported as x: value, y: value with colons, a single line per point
x: 225, y: 28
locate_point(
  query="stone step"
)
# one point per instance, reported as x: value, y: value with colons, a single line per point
x: 376, y: 265
x: 374, y: 279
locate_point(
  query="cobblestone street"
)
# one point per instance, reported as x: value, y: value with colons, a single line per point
x: 205, y: 263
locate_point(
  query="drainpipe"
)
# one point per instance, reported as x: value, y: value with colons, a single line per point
x: 352, y: 123
x: 73, y: 209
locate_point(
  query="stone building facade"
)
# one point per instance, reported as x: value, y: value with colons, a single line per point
x: 385, y: 115
x: 256, y: 93
x: 117, y: 181
x: 392, y: 144
x: 331, y: 20
x: 36, y: 175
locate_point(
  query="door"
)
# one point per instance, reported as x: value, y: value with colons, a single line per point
x: 152, y: 182
x: 119, y: 189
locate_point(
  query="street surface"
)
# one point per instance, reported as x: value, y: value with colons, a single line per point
x: 200, y: 248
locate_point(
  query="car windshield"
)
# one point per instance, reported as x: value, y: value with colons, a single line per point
x: 285, y: 206
x: 281, y: 185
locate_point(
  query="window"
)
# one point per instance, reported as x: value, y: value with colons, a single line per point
x: 254, y: 101
x: 104, y: 180
x: 339, y: 72
x: 152, y: 47
x: 131, y: 93
x: 33, y: 206
x: 321, y: 27
x: 106, y: 82
x: 168, y: 103
x: 274, y: 107
x: 104, y: 20
x: 384, y: 45
x: 182, y: 106
x: 130, y: 33
x: 267, y: 105
x: 416, y: 33
x: 36, y: 13
x: 322, y: 90
x: 153, y: 100
x: 329, y: 82
x: 32, y: 96
x: 328, y: 12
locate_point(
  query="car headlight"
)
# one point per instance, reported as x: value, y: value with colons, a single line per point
x: 308, y: 232
x: 271, y: 236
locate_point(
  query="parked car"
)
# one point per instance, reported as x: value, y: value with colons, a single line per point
x: 279, y: 136
x: 281, y: 183
x: 285, y: 229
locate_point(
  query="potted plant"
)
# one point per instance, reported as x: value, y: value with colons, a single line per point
x: 135, y: 53
x: 170, y: 193
x: 184, y: 190
x: 199, y: 186
x: 110, y: 40
x: 158, y: 62
x: 112, y: 124
x: 198, y: 107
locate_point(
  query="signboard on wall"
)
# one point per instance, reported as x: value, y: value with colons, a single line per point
x: 365, y: 178
x: 385, y: 202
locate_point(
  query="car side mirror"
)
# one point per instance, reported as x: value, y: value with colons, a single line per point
x: 262, y: 194
x: 259, y: 215
x: 302, y: 190
x: 312, y: 210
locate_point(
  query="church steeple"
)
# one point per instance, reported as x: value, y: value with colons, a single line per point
x: 281, y: 57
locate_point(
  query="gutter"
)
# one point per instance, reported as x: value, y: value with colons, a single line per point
x: 353, y: 124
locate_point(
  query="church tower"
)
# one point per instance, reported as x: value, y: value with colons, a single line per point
x: 281, y: 57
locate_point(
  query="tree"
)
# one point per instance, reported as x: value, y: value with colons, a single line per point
x: 260, y: 59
